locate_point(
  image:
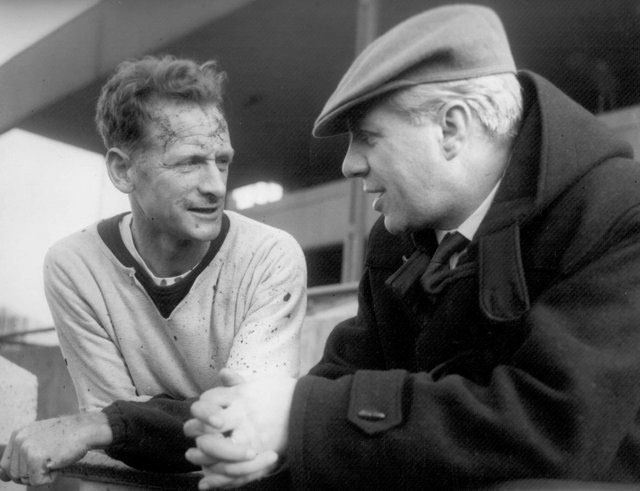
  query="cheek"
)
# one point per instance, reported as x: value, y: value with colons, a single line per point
x: 171, y: 185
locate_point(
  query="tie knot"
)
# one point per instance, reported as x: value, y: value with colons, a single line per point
x: 433, y: 278
x: 451, y: 243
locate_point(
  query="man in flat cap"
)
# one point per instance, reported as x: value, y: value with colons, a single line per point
x: 497, y: 336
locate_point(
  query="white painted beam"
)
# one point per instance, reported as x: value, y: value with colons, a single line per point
x: 91, y: 44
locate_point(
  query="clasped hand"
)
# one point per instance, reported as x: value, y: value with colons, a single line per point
x: 240, y: 429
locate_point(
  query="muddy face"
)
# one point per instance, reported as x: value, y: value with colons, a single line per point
x: 180, y: 176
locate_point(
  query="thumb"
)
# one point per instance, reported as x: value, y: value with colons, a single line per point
x: 230, y: 377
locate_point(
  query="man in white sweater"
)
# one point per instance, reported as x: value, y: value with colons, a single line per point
x: 156, y: 301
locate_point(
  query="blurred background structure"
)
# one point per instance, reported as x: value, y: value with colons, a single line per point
x: 283, y: 58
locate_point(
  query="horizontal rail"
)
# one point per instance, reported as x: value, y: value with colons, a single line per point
x: 9, y: 336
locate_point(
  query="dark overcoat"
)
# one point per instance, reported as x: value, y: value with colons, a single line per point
x: 526, y: 365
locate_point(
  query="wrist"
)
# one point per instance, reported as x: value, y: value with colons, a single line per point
x: 94, y: 429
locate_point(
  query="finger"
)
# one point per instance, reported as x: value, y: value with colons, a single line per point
x: 40, y: 478
x: 198, y: 457
x: 213, y: 481
x: 264, y: 461
x: 219, y: 396
x: 195, y: 427
x: 242, y: 436
x: 230, y: 377
x: 38, y: 467
x: 208, y: 412
x: 5, y: 463
x: 221, y: 420
x: 241, y: 481
x: 224, y: 448
x: 16, y: 469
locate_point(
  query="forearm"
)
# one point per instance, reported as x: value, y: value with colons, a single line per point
x: 93, y: 429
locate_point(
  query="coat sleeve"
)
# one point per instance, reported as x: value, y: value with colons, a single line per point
x: 148, y: 435
x: 563, y: 406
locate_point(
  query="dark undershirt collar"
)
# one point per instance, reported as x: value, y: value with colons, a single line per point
x: 165, y: 298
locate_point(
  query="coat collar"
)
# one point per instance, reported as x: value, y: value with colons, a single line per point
x: 549, y: 155
x: 559, y: 142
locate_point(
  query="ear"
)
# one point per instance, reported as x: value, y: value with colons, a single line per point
x: 119, y: 167
x: 455, y: 120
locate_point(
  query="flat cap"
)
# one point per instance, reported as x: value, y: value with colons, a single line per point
x: 446, y: 43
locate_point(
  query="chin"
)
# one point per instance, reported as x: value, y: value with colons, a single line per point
x: 392, y: 226
x: 204, y: 233
x: 209, y: 236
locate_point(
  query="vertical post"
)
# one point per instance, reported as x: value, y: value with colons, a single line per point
x: 353, y: 249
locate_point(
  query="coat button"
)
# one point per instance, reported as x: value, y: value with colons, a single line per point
x: 371, y: 415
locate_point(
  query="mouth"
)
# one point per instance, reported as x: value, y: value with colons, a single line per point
x: 204, y: 210
x: 377, y: 202
x: 372, y: 190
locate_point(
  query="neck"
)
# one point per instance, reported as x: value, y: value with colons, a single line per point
x: 482, y: 175
x: 165, y: 255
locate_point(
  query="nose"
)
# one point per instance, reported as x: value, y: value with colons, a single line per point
x: 212, y: 181
x: 354, y: 164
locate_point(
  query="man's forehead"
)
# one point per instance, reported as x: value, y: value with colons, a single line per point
x: 364, y: 115
x: 185, y: 114
x: 170, y: 121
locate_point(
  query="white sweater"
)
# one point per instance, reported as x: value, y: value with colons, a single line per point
x: 244, y: 311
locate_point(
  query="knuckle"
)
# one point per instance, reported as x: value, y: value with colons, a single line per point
x: 29, y: 449
x: 19, y: 437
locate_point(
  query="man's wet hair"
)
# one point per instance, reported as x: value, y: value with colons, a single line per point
x: 127, y: 98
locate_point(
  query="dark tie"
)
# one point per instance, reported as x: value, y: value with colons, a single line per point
x: 439, y: 265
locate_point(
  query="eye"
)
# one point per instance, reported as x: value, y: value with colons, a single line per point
x: 223, y: 161
x: 361, y: 136
x: 191, y: 161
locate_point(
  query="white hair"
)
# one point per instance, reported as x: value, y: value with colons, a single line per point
x: 496, y: 100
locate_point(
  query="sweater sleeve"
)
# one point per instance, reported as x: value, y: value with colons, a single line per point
x: 564, y: 405
x: 149, y: 436
x: 88, y: 350
x: 268, y: 339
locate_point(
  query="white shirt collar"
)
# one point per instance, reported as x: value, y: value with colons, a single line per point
x: 470, y: 226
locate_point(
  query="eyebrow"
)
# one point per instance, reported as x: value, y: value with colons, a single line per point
x: 359, y: 129
x: 354, y: 119
x: 230, y: 153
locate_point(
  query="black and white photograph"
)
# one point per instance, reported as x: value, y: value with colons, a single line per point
x: 320, y: 244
